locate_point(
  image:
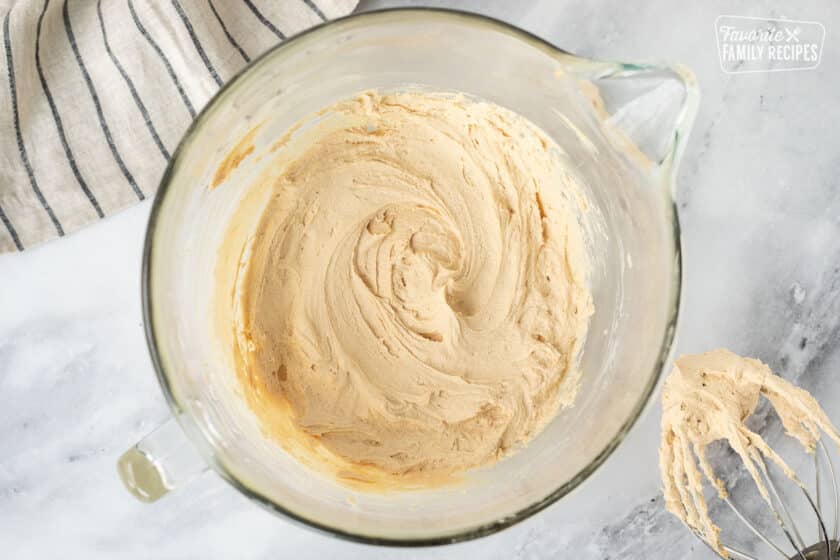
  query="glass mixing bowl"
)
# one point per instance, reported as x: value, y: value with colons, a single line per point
x: 624, y: 125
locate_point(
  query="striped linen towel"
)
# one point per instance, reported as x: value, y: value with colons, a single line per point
x: 95, y: 95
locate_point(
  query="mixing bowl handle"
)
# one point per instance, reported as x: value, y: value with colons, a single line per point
x: 160, y: 462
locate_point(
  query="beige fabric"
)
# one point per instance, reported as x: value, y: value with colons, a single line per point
x: 85, y: 132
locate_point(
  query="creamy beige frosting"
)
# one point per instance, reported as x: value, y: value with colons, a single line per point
x: 708, y: 397
x: 413, y: 295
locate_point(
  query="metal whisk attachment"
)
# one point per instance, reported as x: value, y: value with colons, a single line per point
x: 827, y: 546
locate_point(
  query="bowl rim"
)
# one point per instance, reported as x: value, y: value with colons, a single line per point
x: 200, y: 439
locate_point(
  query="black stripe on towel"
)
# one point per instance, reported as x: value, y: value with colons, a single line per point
x: 163, y: 58
x: 100, y: 115
x: 139, y: 102
x: 230, y: 38
x: 19, y: 135
x: 264, y: 20
x: 197, y: 43
x: 314, y: 7
x: 11, y: 229
x: 57, y: 119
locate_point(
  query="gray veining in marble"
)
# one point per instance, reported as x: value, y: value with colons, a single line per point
x: 759, y: 201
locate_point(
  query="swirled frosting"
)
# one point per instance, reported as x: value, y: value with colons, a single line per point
x: 414, y: 290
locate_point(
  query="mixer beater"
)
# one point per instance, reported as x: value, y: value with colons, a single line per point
x: 708, y: 398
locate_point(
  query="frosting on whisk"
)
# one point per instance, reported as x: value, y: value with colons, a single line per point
x: 708, y: 397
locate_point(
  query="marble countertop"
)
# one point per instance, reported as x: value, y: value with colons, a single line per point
x: 759, y: 201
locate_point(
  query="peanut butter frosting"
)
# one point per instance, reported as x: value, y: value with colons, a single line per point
x: 412, y: 294
x: 708, y: 397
